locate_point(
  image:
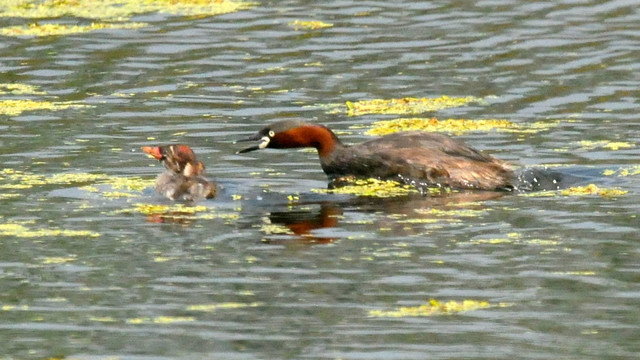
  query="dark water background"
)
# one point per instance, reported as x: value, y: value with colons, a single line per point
x: 568, y: 267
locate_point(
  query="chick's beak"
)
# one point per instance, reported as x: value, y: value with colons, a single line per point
x: 264, y: 141
x: 154, y: 151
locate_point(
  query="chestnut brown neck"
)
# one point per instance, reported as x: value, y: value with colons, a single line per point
x: 317, y: 136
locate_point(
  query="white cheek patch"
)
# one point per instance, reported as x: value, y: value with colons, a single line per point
x: 264, y: 142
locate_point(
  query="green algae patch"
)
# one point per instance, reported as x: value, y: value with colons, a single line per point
x: 117, y: 9
x: 160, y: 320
x: 57, y: 260
x: 20, y: 89
x: 515, y: 238
x: 371, y: 188
x: 177, y: 212
x: 593, y: 189
x: 586, y: 190
x: 457, y: 126
x: 151, y: 209
x: 129, y: 183
x: 5, y: 196
x: 309, y: 25
x: 37, y: 30
x: 222, y: 306
x: 17, y: 107
x: 434, y: 308
x: 407, y: 105
x: 19, y: 230
x: 623, y: 171
x: 16, y: 179
x: 275, y: 229
x: 605, y: 144
x: 128, y: 186
x: 452, y: 212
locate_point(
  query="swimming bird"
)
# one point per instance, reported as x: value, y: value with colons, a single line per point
x: 419, y: 158
x: 184, y: 178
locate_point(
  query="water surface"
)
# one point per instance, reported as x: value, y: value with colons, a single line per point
x: 272, y: 270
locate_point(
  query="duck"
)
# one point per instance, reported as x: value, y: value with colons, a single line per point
x: 422, y: 159
x: 184, y: 178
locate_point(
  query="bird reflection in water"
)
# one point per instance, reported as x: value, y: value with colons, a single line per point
x: 304, y: 225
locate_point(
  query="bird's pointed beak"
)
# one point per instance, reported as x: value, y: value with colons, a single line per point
x: 264, y: 142
x: 154, y: 151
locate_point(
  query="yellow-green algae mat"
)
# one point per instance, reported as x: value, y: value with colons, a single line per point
x: 407, y: 105
x: 372, y: 188
x: 455, y: 126
x: 309, y: 25
x: 110, y: 10
x: 17, y: 180
x: 14, y: 107
x: 36, y: 29
x: 623, y: 171
x: 399, y: 106
x: 179, y: 212
x: 377, y: 188
x: 435, y: 307
x: 117, y: 9
x: 21, y: 229
x: 157, y: 320
x: 590, y: 189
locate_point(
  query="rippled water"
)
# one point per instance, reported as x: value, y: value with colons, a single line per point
x: 273, y: 270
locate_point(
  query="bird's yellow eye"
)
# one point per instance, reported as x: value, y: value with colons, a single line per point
x: 271, y: 133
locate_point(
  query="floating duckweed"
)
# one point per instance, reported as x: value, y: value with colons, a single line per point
x: 578, y: 273
x: 219, y: 306
x: 60, y: 29
x: 161, y: 320
x: 8, y: 195
x: 515, y: 240
x: 72, y: 178
x: 590, y: 189
x: 20, y: 89
x: 163, y: 258
x: 406, y: 105
x: 456, y: 212
x: 21, y: 231
x: 17, y: 107
x: 309, y: 25
x: 611, y: 145
x: 593, y: 189
x: 58, y: 260
x: 16, y: 179
x: 118, y: 194
x: 275, y: 229
x: 457, y: 126
x: 178, y: 212
x: 129, y: 183
x: 372, y: 187
x: 105, y: 319
x: 625, y: 171
x: 24, y: 180
x: 494, y: 241
x: 15, y: 186
x: 434, y: 307
x: 418, y: 221
x: 537, y: 126
x: 151, y: 209
x: 117, y: 9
